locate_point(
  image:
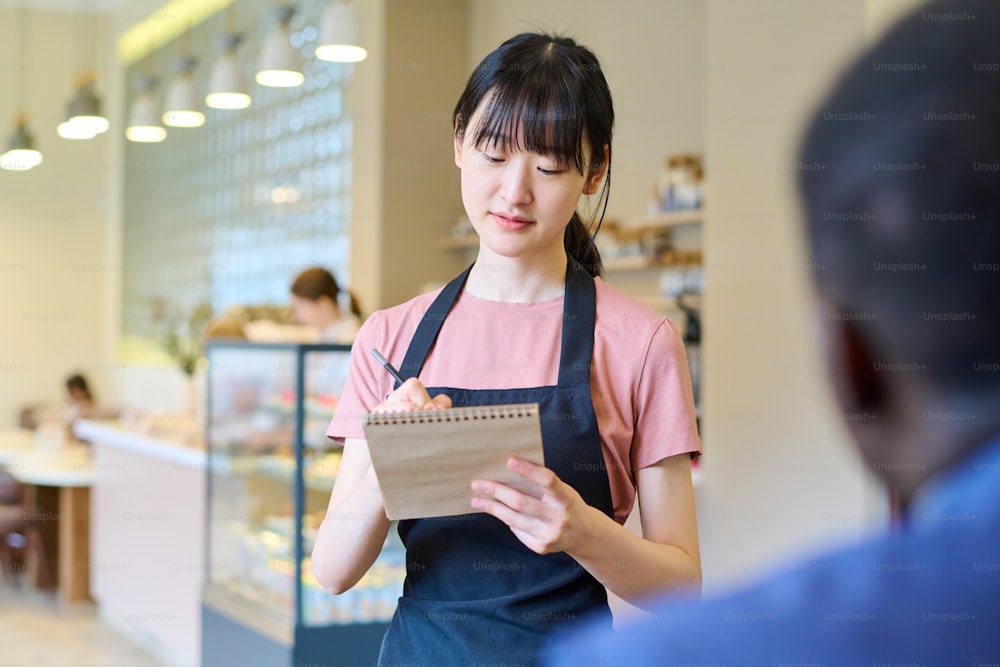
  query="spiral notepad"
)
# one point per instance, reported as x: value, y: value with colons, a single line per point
x: 425, y: 461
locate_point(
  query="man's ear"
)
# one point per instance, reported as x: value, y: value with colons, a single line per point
x: 851, y: 363
x: 597, y: 172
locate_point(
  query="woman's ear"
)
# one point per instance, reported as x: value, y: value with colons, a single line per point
x: 459, y: 138
x: 597, y: 172
x: 458, y: 151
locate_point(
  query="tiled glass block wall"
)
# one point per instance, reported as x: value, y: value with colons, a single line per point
x: 230, y: 211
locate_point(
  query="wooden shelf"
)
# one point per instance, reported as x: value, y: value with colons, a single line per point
x: 666, y: 220
x: 634, y: 263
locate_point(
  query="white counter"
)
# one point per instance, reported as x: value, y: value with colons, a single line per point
x: 148, y: 512
x: 161, y: 444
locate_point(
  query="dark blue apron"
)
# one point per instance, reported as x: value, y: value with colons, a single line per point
x: 474, y: 595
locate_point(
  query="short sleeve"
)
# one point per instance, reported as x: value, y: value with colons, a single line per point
x: 367, y: 383
x: 664, y: 403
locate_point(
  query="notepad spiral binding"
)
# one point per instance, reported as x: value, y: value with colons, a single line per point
x: 471, y: 413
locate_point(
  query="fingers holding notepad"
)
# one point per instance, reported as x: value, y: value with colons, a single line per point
x: 410, y: 397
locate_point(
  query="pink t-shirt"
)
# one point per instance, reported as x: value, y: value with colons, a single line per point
x: 639, y: 381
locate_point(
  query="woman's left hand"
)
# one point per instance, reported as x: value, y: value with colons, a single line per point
x: 554, y: 519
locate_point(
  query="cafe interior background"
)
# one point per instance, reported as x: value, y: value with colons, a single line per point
x: 354, y: 170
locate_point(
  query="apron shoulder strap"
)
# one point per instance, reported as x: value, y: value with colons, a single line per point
x: 430, y: 325
x: 579, y: 315
x: 579, y: 312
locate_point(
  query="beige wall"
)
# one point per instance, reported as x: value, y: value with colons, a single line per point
x: 57, y: 259
x: 780, y: 477
x: 367, y: 96
x: 424, y: 71
x: 652, y: 53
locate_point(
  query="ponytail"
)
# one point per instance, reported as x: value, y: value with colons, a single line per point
x: 580, y: 246
x: 354, y: 306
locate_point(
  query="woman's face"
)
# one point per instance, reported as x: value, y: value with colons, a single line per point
x: 519, y: 202
x: 312, y: 313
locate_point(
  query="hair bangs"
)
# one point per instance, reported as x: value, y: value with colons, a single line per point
x: 540, y: 117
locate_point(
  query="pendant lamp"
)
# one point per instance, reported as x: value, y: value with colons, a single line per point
x: 227, y: 88
x: 340, y: 34
x: 70, y: 130
x: 85, y: 109
x: 84, y: 119
x: 144, y: 118
x: 21, y: 154
x: 183, y: 104
x: 280, y: 62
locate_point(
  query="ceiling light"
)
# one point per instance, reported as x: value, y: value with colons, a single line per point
x: 21, y: 154
x: 85, y: 109
x: 340, y: 35
x: 228, y: 88
x: 280, y: 62
x: 70, y: 130
x: 144, y: 119
x: 182, y: 107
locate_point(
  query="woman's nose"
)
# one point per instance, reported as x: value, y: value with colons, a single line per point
x: 516, y: 185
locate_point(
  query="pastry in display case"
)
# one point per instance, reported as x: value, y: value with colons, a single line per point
x: 270, y: 472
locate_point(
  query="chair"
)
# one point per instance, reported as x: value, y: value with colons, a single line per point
x: 13, y: 528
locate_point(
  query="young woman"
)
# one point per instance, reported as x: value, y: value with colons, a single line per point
x: 529, y: 322
x: 319, y: 302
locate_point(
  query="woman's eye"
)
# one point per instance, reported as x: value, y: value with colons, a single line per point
x: 492, y: 159
x: 550, y: 172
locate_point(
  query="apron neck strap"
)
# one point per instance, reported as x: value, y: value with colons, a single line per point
x: 579, y: 312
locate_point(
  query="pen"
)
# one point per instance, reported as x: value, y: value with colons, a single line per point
x: 385, y: 364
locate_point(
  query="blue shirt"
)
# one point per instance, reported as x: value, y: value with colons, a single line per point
x: 926, y: 596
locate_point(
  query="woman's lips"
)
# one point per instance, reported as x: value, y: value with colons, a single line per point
x: 513, y: 223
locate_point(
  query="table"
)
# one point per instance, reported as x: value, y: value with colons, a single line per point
x: 57, y: 488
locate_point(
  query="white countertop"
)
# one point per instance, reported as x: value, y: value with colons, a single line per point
x: 162, y: 443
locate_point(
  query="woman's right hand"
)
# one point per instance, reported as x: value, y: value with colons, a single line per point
x: 412, y: 396
x: 353, y: 531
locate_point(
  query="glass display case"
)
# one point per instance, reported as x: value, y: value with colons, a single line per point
x: 270, y: 472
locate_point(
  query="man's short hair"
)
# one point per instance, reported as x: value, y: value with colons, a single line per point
x: 900, y: 175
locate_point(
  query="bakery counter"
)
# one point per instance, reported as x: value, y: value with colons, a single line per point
x: 147, y: 513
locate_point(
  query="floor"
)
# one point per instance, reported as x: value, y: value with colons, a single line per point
x: 36, y: 630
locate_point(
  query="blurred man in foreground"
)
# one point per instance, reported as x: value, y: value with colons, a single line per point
x: 903, y: 227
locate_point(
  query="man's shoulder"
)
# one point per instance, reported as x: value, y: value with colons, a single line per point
x: 899, y: 601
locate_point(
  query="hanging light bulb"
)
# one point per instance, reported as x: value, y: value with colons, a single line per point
x: 87, y: 110
x: 144, y: 119
x: 21, y: 154
x: 280, y: 62
x: 70, y: 130
x: 183, y: 105
x: 340, y: 35
x: 227, y: 89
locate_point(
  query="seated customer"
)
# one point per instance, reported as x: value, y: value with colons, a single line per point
x: 909, y: 298
x: 79, y: 398
x: 79, y: 403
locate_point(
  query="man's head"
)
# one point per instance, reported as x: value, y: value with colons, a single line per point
x: 900, y: 178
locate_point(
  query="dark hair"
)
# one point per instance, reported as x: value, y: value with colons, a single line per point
x: 317, y: 282
x: 549, y: 93
x: 79, y: 382
x: 899, y: 175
